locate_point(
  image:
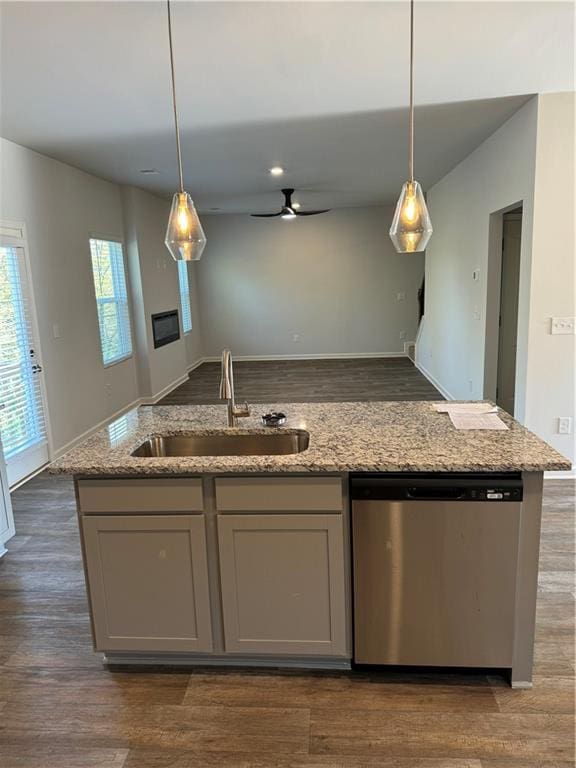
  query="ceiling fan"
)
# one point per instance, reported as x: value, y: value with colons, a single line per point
x: 288, y: 211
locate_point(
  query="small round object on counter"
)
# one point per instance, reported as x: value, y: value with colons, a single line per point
x: 274, y: 419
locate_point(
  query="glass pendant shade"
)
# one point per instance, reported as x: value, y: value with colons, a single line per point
x: 185, y: 238
x: 411, y: 226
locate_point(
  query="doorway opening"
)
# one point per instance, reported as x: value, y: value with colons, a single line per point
x: 503, y: 289
x: 508, y: 315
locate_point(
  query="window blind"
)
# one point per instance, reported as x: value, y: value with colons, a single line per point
x: 111, y: 300
x: 22, y: 421
x: 184, y: 296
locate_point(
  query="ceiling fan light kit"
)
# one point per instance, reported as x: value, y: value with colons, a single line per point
x: 185, y: 238
x: 411, y: 227
x: 289, y: 210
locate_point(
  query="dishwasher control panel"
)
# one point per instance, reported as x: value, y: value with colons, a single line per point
x: 489, y: 487
x: 496, y: 494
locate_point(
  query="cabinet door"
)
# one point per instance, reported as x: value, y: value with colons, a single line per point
x: 283, y: 583
x: 148, y: 582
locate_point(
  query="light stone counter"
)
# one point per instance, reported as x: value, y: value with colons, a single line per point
x: 344, y: 437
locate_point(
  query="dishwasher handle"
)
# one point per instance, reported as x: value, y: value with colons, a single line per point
x: 435, y: 494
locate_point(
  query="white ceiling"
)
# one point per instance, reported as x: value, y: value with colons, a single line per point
x: 318, y: 87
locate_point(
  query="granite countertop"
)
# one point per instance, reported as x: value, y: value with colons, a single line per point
x: 344, y: 437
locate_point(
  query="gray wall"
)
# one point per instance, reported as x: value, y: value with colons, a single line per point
x: 498, y: 174
x: 331, y: 280
x: 62, y: 208
x: 155, y: 288
x: 530, y: 159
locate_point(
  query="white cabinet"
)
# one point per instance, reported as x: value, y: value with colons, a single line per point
x: 6, y: 517
x: 148, y: 582
x: 283, y: 583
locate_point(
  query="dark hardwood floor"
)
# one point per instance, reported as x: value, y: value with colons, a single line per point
x: 320, y: 381
x: 59, y: 708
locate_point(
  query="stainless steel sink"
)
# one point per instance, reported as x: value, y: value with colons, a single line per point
x: 260, y: 444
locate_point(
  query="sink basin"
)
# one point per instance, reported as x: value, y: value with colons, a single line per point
x: 261, y: 444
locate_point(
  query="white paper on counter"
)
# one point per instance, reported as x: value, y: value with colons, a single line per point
x: 489, y: 420
x: 464, y: 407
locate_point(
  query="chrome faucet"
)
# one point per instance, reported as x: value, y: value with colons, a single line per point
x: 227, y: 391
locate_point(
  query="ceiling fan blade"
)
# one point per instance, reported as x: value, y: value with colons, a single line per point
x: 312, y: 213
x: 265, y: 215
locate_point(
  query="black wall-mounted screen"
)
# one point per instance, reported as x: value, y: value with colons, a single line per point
x: 165, y: 327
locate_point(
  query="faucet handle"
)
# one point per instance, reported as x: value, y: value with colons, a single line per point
x: 242, y: 409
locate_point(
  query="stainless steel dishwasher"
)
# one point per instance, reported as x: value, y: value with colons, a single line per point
x: 434, y: 568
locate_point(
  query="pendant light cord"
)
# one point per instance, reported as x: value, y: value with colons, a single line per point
x: 411, y: 118
x: 176, y: 125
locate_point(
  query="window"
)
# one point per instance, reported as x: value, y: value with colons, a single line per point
x: 111, y: 299
x: 185, y: 296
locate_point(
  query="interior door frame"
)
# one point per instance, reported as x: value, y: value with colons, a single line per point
x: 13, y: 234
x: 493, y: 291
x: 5, y: 501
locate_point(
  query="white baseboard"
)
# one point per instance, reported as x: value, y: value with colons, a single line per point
x: 164, y: 391
x: 569, y: 474
x: 434, y: 382
x: 196, y: 364
x: 101, y: 424
x: 29, y: 477
x: 109, y: 419
x: 407, y: 345
x: 172, y: 386
x: 323, y: 356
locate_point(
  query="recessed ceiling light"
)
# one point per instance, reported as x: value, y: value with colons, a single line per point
x: 149, y: 171
x: 276, y: 171
x: 296, y: 206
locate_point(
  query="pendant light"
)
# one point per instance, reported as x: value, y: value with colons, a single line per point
x: 411, y: 226
x: 185, y: 237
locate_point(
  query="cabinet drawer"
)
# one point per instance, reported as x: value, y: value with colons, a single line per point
x: 282, y: 494
x: 154, y: 495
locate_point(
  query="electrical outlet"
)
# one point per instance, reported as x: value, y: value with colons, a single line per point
x: 402, y: 335
x: 564, y: 425
x: 108, y: 390
x: 562, y: 325
x: 296, y: 337
x: 56, y: 331
x: 401, y: 296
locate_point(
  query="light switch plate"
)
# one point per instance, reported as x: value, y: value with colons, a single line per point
x: 562, y: 325
x: 564, y: 425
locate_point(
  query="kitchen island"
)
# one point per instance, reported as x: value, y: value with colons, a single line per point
x: 246, y: 559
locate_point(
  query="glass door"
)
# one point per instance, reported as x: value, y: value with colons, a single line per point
x: 22, y: 415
